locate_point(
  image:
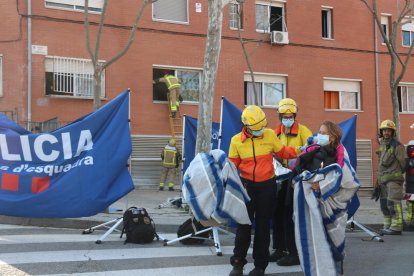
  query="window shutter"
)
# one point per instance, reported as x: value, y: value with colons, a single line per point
x: 341, y: 85
x: 172, y: 10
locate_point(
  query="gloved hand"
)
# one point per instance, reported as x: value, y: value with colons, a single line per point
x: 376, y: 193
x: 310, y: 141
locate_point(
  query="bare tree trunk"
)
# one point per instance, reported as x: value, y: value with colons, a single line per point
x: 211, y: 58
x: 97, y: 76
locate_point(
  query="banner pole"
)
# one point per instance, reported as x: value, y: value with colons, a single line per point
x: 221, y: 122
x: 129, y: 124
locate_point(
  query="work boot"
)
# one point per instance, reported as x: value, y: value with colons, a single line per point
x: 171, y: 189
x: 289, y: 260
x: 237, y: 271
x: 161, y: 189
x: 256, y: 272
x: 390, y: 232
x: 276, y: 255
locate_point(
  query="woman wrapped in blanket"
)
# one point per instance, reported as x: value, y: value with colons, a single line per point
x: 325, y: 183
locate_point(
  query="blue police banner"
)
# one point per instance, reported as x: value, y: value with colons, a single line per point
x: 230, y: 123
x: 75, y: 171
x: 348, y: 128
x: 190, y: 138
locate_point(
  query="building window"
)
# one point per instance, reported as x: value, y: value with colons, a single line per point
x: 270, y: 17
x: 71, y: 77
x: 406, y: 98
x: 190, y: 84
x: 236, y: 15
x: 75, y: 5
x: 342, y: 94
x: 1, y: 76
x: 407, y: 33
x: 170, y: 11
x: 327, y: 23
x: 270, y: 89
x: 385, y: 26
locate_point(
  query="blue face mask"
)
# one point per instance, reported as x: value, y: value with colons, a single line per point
x: 288, y: 122
x: 322, y: 139
x: 258, y: 133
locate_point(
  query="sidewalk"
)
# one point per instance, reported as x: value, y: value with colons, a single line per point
x: 167, y: 219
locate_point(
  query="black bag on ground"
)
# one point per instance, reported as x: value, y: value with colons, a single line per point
x: 138, y: 226
x: 190, y: 226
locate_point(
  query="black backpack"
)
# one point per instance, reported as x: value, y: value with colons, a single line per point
x: 190, y: 226
x: 138, y: 226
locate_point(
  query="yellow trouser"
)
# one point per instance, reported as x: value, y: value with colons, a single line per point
x: 164, y: 175
x: 173, y: 96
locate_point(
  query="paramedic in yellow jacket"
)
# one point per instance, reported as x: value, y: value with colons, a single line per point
x: 170, y: 160
x: 173, y: 85
x: 252, y: 151
x: 290, y: 133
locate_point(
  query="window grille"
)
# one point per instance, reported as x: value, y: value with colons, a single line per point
x: 71, y: 77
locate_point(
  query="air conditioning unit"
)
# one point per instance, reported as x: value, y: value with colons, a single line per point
x: 277, y: 37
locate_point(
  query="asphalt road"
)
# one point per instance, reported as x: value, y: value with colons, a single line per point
x: 27, y: 250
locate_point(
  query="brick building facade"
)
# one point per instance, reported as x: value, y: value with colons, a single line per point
x: 321, y: 53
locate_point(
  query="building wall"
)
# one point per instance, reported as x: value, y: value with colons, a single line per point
x: 306, y: 60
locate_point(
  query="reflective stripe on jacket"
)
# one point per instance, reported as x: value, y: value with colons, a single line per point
x: 391, y: 161
x: 297, y: 137
x: 172, y: 82
x: 253, y: 156
x: 169, y: 157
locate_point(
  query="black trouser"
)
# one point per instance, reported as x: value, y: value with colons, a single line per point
x: 283, y: 225
x: 260, y: 209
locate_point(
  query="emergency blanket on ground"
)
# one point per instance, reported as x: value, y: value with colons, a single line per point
x: 321, y: 217
x: 75, y: 171
x: 213, y: 189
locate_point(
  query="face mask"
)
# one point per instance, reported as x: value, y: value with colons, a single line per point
x: 323, y: 139
x: 258, y: 133
x: 288, y: 122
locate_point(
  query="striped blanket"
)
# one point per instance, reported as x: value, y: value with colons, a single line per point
x: 321, y: 217
x: 213, y: 190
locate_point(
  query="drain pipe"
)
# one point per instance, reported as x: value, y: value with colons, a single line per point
x: 29, y: 63
x: 377, y: 92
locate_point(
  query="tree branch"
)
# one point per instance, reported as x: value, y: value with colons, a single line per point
x: 88, y: 40
x: 131, y: 34
x: 101, y: 23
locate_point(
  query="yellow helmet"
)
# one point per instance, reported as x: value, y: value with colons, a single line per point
x: 172, y: 142
x: 254, y: 118
x: 287, y: 106
x: 388, y: 124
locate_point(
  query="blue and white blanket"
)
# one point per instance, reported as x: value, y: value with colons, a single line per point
x: 321, y: 217
x: 213, y: 189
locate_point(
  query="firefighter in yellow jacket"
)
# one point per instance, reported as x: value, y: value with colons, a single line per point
x: 252, y: 151
x: 173, y: 85
x: 170, y: 160
x: 391, y: 166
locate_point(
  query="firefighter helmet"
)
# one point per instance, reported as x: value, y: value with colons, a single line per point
x: 253, y: 117
x: 388, y: 124
x: 172, y: 142
x: 287, y: 106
